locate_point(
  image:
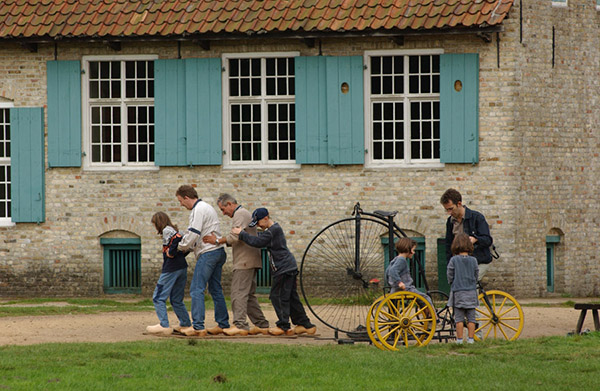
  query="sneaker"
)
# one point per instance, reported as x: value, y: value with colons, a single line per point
x: 231, y: 331
x: 158, y: 329
x: 258, y: 330
x: 458, y: 341
x: 215, y: 330
x: 192, y: 332
x: 470, y: 340
x: 276, y: 331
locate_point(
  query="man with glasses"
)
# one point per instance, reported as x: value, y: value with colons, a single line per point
x: 471, y: 222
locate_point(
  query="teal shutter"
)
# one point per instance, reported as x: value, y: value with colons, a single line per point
x: 311, y: 110
x: 203, y: 111
x: 459, y: 110
x: 187, y: 107
x: 27, y: 165
x: 169, y: 113
x: 329, y: 122
x: 345, y: 119
x: 64, y: 113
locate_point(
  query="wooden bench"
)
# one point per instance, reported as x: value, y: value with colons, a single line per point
x: 584, y: 308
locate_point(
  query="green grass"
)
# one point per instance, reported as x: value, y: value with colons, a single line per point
x: 551, y: 363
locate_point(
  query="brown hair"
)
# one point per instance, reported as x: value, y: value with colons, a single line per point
x: 451, y: 195
x: 162, y: 220
x: 461, y: 244
x: 186, y: 191
x: 404, y: 245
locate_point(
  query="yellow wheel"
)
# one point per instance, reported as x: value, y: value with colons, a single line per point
x: 404, y: 318
x: 371, y: 323
x: 505, y: 321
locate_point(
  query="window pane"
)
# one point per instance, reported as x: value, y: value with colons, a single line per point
x: 248, y: 128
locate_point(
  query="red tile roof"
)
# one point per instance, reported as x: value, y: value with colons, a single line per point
x: 136, y: 18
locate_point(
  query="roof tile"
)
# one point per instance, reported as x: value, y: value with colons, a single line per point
x: 86, y: 18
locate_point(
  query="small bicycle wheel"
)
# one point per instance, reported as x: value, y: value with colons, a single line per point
x: 500, y: 316
x: 371, y: 324
x: 439, y: 299
x: 342, y: 271
x: 404, y: 318
x: 445, y: 321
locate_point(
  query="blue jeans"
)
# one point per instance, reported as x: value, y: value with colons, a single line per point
x: 208, y: 272
x: 171, y: 285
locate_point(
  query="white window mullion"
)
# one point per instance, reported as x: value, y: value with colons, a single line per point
x: 264, y: 131
x: 124, y: 146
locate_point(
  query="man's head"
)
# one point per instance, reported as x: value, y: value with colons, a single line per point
x: 260, y: 217
x: 187, y: 196
x: 227, y: 204
x: 452, y: 201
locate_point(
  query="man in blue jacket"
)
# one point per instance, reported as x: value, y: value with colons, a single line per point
x: 471, y: 222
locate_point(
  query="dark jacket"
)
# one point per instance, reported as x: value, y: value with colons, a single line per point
x: 273, y: 238
x: 173, y: 259
x: 474, y: 225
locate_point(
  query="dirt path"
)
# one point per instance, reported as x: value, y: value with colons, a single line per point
x: 130, y: 326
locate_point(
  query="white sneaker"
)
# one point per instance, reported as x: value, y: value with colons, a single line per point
x: 158, y: 329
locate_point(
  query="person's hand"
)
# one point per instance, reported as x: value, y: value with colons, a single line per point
x: 401, y: 286
x: 473, y: 239
x: 212, y: 239
x: 236, y: 230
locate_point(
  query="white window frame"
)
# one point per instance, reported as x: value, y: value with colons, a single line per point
x: 86, y: 118
x: 560, y: 4
x: 6, y: 221
x: 406, y: 162
x: 264, y: 162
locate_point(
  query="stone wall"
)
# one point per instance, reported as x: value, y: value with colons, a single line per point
x: 537, y: 173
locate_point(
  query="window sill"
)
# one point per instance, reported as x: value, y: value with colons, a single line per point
x: 121, y: 168
x: 5, y: 223
x: 376, y: 166
x: 262, y: 167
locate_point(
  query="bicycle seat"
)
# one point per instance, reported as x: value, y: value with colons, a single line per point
x: 383, y: 213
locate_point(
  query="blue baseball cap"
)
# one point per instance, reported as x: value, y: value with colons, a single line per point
x: 258, y: 214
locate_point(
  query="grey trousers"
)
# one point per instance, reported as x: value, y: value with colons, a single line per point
x: 243, y: 300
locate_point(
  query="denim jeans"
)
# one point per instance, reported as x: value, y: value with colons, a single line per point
x: 171, y: 285
x: 208, y: 272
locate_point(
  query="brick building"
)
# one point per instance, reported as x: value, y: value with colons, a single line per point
x: 305, y: 107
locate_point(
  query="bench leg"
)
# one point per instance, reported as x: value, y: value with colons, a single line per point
x: 580, y: 321
x: 596, y: 322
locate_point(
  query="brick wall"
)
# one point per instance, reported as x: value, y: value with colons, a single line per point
x: 537, y: 173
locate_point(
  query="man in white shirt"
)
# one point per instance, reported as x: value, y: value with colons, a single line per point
x: 209, y: 264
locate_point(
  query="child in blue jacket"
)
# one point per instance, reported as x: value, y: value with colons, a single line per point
x: 173, y: 278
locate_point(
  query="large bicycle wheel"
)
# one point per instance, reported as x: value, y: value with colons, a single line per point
x: 404, y: 319
x: 500, y: 316
x: 342, y: 271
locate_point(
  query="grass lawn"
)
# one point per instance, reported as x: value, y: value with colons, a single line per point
x: 550, y: 363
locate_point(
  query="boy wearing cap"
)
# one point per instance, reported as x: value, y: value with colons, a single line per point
x: 284, y: 293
